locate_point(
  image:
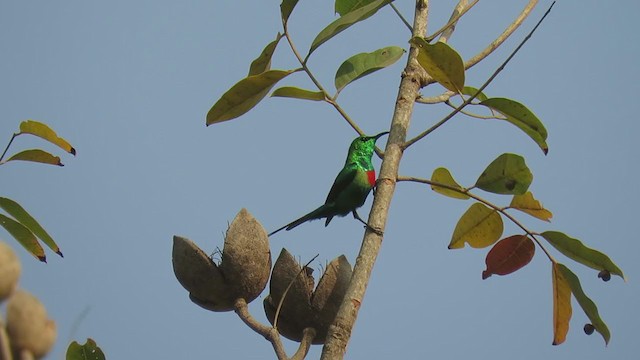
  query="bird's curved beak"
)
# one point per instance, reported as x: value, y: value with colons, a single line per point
x: 379, y: 135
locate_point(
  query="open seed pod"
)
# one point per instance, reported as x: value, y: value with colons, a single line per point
x: 9, y: 270
x: 28, y: 325
x: 243, y: 272
x: 302, y: 307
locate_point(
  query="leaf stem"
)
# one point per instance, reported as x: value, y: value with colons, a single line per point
x: 477, y: 116
x: 406, y: 23
x: 7, y: 148
x: 501, y: 210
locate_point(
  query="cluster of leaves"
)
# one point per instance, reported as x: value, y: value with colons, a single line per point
x: 17, y: 221
x: 248, y: 92
x: 481, y: 225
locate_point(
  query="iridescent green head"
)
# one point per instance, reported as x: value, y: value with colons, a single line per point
x: 363, y: 146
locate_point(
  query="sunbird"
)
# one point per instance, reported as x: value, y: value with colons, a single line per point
x: 350, y: 188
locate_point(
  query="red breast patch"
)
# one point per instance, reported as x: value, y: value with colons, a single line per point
x: 371, y: 176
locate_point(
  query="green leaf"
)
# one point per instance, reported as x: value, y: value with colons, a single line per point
x: 244, y: 95
x: 587, y: 305
x: 480, y: 227
x: 298, y: 93
x: 344, y: 22
x: 528, y: 204
x: 36, y: 155
x: 520, y: 116
x: 88, y: 351
x: 23, y: 217
x: 45, y: 132
x: 507, y: 174
x: 364, y: 64
x: 263, y: 62
x: 286, y: 7
x: 344, y: 6
x: 470, y: 91
x: 25, y: 237
x: 440, y: 61
x: 577, y: 251
x: 443, y: 176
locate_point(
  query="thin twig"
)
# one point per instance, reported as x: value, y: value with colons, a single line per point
x: 406, y: 23
x: 317, y: 83
x: 505, y: 34
x: 501, y: 210
x: 450, y: 26
x: 493, y: 76
x: 328, y: 99
x: 452, y: 22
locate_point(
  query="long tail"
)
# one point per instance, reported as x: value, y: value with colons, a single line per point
x: 318, y: 213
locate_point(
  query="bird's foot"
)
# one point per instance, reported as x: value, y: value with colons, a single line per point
x: 376, y: 230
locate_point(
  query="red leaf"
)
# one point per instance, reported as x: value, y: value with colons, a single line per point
x: 509, y: 255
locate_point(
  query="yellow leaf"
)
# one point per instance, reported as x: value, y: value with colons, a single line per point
x: 528, y: 204
x: 480, y: 227
x: 43, y: 131
x: 443, y: 63
x: 561, y: 306
x: 443, y: 176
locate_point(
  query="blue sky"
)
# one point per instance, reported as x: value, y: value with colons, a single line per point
x: 129, y: 85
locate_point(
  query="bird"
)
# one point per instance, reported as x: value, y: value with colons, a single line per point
x: 350, y: 188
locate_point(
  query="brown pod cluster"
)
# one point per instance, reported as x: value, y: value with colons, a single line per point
x: 9, y: 270
x: 242, y: 273
x: 28, y: 325
x: 303, y: 307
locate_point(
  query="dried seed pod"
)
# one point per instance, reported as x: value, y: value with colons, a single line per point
x: 243, y: 272
x: 302, y: 307
x: 28, y: 325
x: 9, y: 270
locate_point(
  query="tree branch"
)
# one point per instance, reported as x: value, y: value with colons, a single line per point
x: 269, y: 333
x: 493, y: 76
x: 305, y: 344
x: 340, y: 331
x: 444, y: 97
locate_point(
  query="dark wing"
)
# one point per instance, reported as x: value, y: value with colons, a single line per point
x: 344, y: 178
